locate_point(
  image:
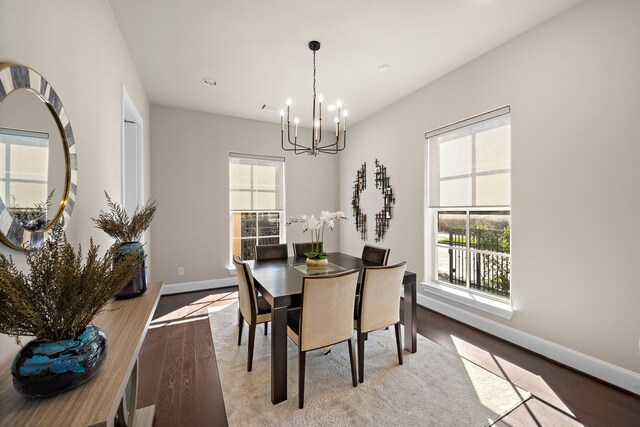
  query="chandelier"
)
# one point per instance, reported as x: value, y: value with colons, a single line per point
x: 316, y: 146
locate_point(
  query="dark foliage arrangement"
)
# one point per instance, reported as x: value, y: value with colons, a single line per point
x: 32, y: 218
x: 117, y: 224
x: 62, y: 292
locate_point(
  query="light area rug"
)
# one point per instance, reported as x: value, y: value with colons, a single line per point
x: 434, y: 386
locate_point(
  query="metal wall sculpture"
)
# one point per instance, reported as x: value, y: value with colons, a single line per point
x: 384, y: 216
x: 358, y: 186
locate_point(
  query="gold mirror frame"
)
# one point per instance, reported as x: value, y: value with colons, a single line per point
x: 12, y: 233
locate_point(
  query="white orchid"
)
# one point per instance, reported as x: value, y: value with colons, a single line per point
x: 316, y: 225
x: 313, y: 223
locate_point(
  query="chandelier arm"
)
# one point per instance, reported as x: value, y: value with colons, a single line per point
x: 282, y: 143
x: 344, y: 141
x: 328, y: 146
x: 296, y: 148
x: 335, y: 144
x: 328, y: 151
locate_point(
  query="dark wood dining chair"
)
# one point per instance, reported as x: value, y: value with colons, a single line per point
x: 378, y: 305
x: 264, y: 252
x: 378, y: 256
x: 299, y: 249
x: 253, y: 308
x: 325, y: 318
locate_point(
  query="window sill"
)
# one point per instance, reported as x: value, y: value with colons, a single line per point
x: 462, y: 296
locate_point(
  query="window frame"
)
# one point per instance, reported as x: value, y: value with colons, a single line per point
x: 432, y: 179
x: 36, y: 139
x: 467, y: 249
x: 281, y: 212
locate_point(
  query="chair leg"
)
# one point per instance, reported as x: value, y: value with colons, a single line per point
x: 266, y: 328
x: 366, y: 336
x: 361, y: 355
x: 252, y: 339
x: 397, y: 327
x: 240, y: 325
x: 302, y: 355
x: 352, y: 359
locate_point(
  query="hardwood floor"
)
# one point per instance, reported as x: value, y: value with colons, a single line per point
x: 178, y: 371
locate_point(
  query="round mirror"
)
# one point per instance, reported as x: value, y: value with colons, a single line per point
x: 38, y: 169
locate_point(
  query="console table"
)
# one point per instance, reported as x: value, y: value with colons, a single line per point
x: 109, y: 398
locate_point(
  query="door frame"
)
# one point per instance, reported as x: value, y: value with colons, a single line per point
x: 131, y: 113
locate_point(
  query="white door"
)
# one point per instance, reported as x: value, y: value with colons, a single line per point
x: 132, y: 196
x: 132, y: 156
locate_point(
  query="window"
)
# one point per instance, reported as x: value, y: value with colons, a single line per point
x: 256, y: 202
x: 24, y: 165
x: 470, y: 203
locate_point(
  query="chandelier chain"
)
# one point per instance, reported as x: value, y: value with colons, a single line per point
x: 314, y: 76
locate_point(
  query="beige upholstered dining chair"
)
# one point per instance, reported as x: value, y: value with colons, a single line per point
x: 325, y: 318
x: 253, y: 308
x: 299, y: 249
x: 374, y: 255
x: 378, y: 305
x: 264, y: 252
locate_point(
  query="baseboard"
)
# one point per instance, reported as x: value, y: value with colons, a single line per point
x: 178, y: 288
x: 605, y: 371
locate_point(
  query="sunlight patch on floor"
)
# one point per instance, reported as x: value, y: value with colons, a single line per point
x: 220, y: 305
x: 194, y: 311
x: 511, y: 372
x: 486, y: 390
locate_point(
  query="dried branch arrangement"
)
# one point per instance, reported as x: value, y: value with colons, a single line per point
x: 33, y: 218
x: 117, y: 224
x: 62, y: 292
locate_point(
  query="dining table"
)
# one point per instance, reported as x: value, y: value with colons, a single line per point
x: 280, y: 283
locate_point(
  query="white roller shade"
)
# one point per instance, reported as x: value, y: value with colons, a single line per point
x: 470, y: 162
x: 255, y: 182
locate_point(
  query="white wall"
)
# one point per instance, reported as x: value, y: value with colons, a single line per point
x: 190, y: 174
x: 573, y: 87
x: 77, y: 46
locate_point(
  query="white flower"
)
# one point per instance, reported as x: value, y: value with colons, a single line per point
x: 316, y: 225
x: 313, y: 223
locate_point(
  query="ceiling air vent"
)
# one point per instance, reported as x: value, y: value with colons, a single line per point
x: 268, y: 107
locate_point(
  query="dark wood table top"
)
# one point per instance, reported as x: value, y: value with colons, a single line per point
x: 281, y: 283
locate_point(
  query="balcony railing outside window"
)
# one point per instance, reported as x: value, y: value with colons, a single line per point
x: 249, y: 229
x: 473, y: 250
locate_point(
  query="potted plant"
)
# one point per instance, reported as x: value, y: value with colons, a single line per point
x: 55, y: 302
x: 127, y: 233
x: 317, y: 258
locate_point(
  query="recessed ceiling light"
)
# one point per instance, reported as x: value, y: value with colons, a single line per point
x: 384, y: 68
x: 210, y: 82
x: 331, y: 107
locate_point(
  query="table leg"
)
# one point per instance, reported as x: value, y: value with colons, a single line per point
x: 278, y: 354
x: 410, y: 324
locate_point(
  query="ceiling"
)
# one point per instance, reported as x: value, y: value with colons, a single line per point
x: 257, y: 50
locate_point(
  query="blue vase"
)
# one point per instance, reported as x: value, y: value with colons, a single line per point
x: 138, y: 284
x: 43, y: 369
